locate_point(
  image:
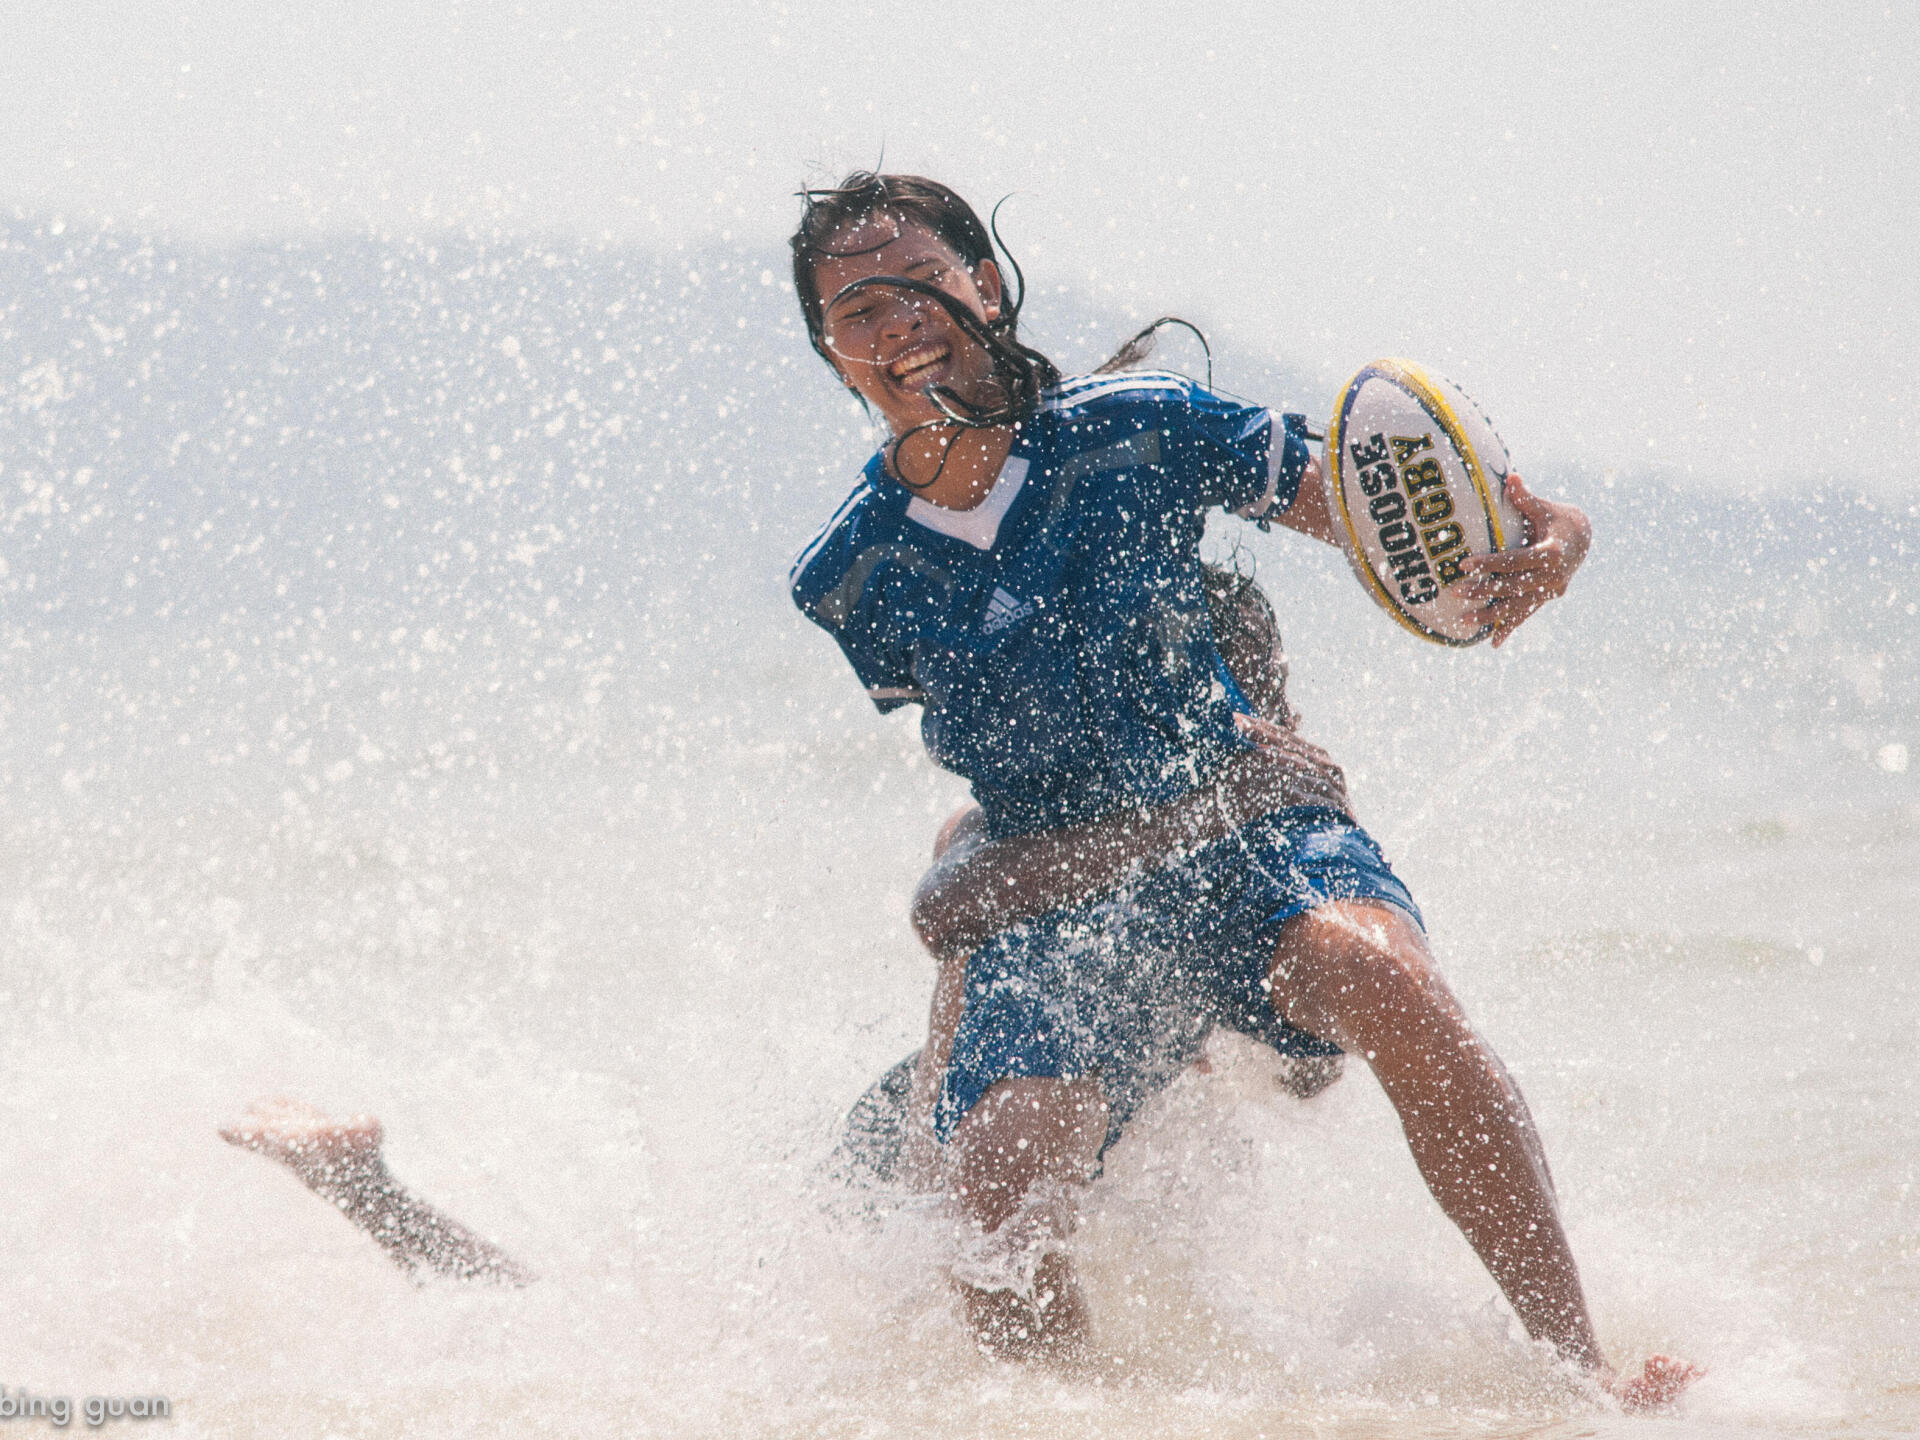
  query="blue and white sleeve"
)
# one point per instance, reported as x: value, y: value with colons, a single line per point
x: 833, y: 594
x: 1244, y: 457
x: 886, y: 672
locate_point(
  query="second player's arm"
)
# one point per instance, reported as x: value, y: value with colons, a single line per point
x: 976, y: 888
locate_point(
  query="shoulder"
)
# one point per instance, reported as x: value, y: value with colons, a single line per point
x: 1143, y: 421
x: 1121, y: 390
x: 1098, y: 423
x: 821, y: 566
x: 1159, y: 398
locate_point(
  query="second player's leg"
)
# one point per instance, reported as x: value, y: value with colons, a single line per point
x: 1361, y: 975
x: 340, y: 1161
x: 1024, y: 1135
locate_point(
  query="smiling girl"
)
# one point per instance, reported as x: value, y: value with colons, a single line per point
x: 1021, y: 558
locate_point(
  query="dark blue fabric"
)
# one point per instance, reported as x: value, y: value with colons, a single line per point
x: 1069, y: 670
x: 1126, y: 987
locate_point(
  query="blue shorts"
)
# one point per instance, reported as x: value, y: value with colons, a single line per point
x: 1127, y: 986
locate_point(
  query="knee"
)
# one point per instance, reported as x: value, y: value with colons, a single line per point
x: 1022, y: 1131
x: 1361, y: 976
x: 939, y: 904
x: 965, y: 827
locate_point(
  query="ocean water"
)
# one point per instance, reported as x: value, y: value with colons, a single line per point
x: 400, y: 709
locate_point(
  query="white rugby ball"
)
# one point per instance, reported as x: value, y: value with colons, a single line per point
x: 1417, y: 481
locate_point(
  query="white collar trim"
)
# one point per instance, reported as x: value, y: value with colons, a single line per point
x: 980, y: 525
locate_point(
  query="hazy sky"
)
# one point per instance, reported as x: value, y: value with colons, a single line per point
x: 1684, y: 234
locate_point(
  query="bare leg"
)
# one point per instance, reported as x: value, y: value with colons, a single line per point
x: 964, y: 830
x: 1362, y: 976
x: 340, y: 1161
x: 1022, y: 1133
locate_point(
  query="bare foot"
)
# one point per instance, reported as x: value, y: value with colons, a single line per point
x: 1659, y: 1383
x: 1050, y: 1328
x: 304, y: 1138
x: 340, y: 1161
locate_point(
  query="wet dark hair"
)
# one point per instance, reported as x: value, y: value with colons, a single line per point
x: 936, y: 208
x: 1021, y: 372
x: 1247, y: 634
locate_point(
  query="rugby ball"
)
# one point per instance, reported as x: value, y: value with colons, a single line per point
x: 1417, y: 481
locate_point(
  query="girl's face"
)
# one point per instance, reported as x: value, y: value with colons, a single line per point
x: 893, y: 345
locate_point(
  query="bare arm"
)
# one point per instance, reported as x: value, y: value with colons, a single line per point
x: 1309, y: 513
x: 976, y: 889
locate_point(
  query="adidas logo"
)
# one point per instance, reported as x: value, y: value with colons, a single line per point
x: 1002, y: 610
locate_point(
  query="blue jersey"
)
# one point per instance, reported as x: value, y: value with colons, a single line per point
x: 1057, y: 633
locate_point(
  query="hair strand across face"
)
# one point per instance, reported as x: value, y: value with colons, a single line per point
x: 861, y: 216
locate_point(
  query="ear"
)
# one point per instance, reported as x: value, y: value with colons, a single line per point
x: 993, y: 291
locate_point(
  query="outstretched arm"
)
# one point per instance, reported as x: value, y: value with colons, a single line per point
x: 340, y: 1161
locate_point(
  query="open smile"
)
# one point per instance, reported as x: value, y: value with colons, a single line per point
x: 920, y: 366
